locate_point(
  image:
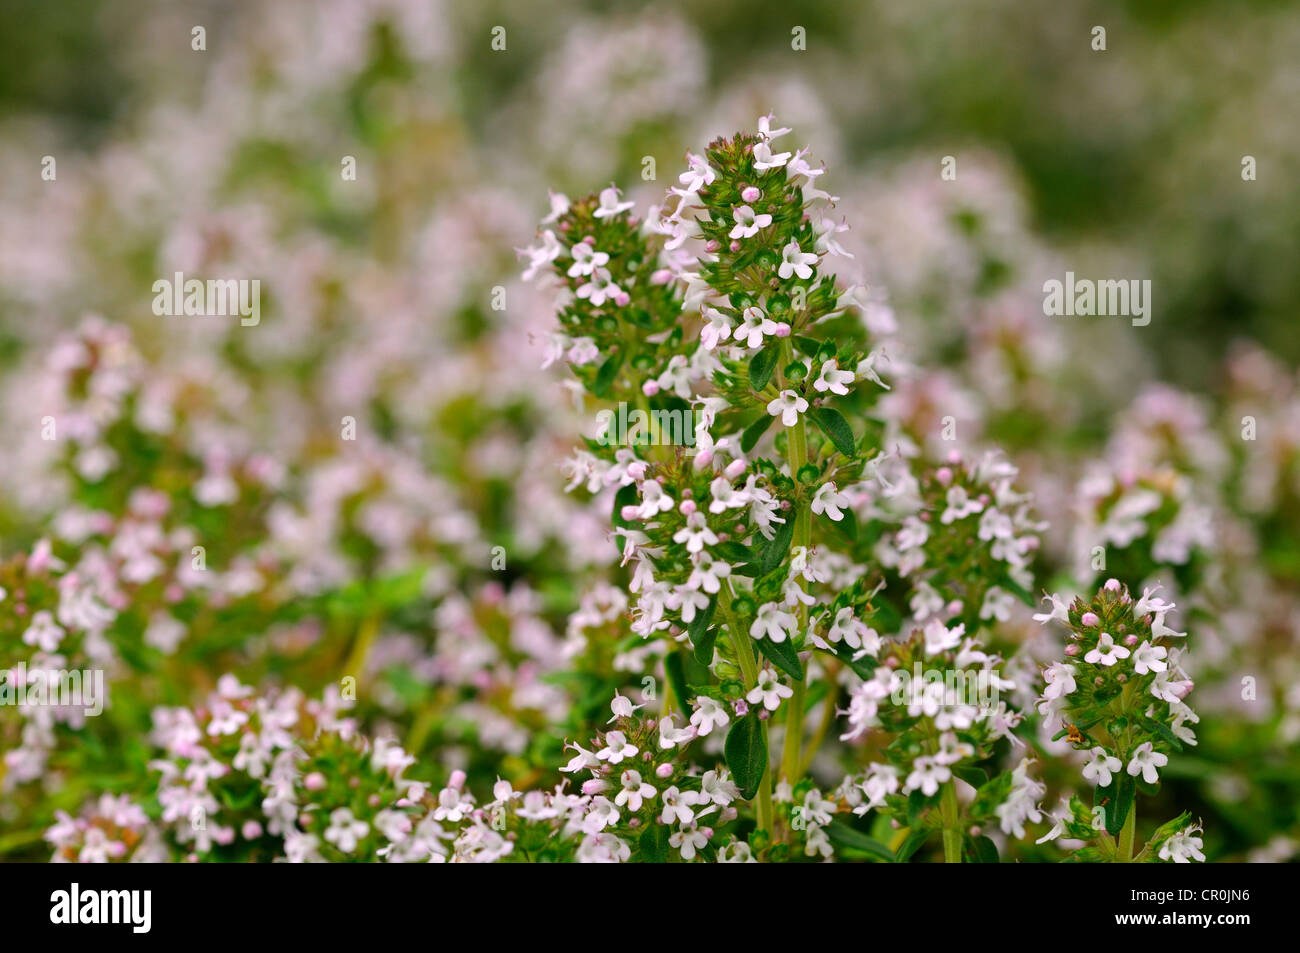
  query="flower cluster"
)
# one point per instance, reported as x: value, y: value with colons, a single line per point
x: 1118, y: 697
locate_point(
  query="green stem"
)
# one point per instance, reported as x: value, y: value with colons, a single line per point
x: 797, y: 452
x: 951, y: 833
x: 743, y: 646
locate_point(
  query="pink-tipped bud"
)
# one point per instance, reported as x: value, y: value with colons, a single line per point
x: 783, y: 330
x: 650, y: 387
x: 943, y: 475
x: 457, y: 779
x: 750, y: 193
x: 735, y: 469
x: 628, y: 512
x: 687, y: 507
x: 1090, y: 619
x: 1071, y: 650
x: 1112, y: 585
x: 712, y: 245
x: 742, y: 708
x: 954, y: 457
x: 594, y: 786
x: 661, y: 277
x: 314, y: 781
x: 735, y: 245
x: 1130, y: 640
x: 664, y: 771
x: 251, y: 830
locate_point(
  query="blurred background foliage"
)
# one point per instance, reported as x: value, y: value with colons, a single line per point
x: 1138, y: 147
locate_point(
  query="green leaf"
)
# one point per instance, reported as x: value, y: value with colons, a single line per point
x: 749, y: 439
x: 847, y: 837
x: 778, y: 547
x: 605, y: 376
x: 654, y: 844
x: 761, y: 366
x: 746, y: 752
x: 783, y: 656
x: 911, y: 845
x: 975, y: 777
x: 982, y: 850
x: 733, y: 552
x: 916, y: 803
x: 1117, y: 810
x: 833, y: 424
x: 677, y: 677
x: 1164, y: 731
x: 702, y: 634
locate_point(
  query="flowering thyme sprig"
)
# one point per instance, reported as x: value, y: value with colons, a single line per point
x: 1119, y: 697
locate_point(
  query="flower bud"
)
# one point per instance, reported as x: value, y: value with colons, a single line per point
x: 1090, y: 620
x: 750, y: 194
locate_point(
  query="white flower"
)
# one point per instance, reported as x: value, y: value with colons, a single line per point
x: 940, y: 638
x: 586, y: 260
x: 855, y: 633
x: 1183, y: 847
x: 1149, y: 658
x: 765, y: 128
x: 997, y: 604
x: 600, y: 288
x: 1101, y: 766
x: 1159, y: 630
x: 828, y: 500
x: 832, y: 379
x: 754, y: 324
x: 678, y: 806
x: 1060, y: 611
x: 952, y: 749
x: 1150, y: 602
x: 717, y: 328
x: 696, y: 533
x: 927, y: 774
x: 717, y: 787
x: 769, y: 691
x: 670, y: 736
x: 960, y: 505
x: 43, y: 632
x: 1106, y: 652
x: 881, y: 780
x: 788, y: 406
x: 772, y: 622
x: 794, y: 261
x: 764, y: 158
x: 617, y: 747
x: 708, y: 573
x: 748, y: 223
x: 1060, y: 680
x: 634, y: 791
x: 1146, y: 760
x: 345, y: 831
x: 610, y: 205
x: 622, y: 706
x: 688, y: 840
x: 698, y: 175
x: 601, y: 813
x: 709, y: 714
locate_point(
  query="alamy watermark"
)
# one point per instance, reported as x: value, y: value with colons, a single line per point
x: 1126, y: 297
x: 194, y: 297
x: 946, y: 688
x: 53, y: 688
x: 637, y: 427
